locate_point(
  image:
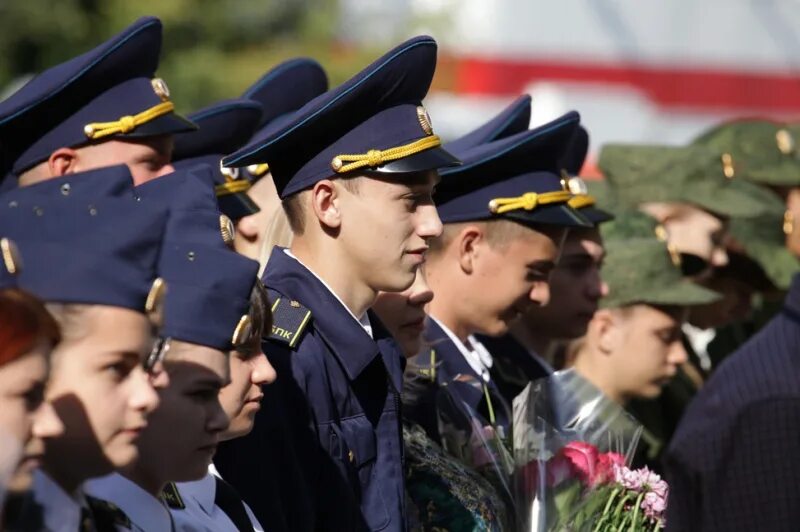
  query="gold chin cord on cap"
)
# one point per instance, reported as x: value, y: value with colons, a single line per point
x: 126, y: 124
x: 528, y: 201
x: 581, y: 200
x: 375, y: 158
x: 233, y: 184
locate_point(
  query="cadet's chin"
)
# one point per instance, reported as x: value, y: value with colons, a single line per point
x: 122, y: 455
x: 22, y: 479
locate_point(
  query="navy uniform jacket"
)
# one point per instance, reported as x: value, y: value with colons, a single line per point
x: 513, y: 367
x: 444, y: 365
x: 328, y: 438
x: 733, y: 463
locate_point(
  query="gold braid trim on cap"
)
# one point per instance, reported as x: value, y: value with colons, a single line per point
x: 375, y: 158
x: 126, y: 124
x: 528, y: 201
x: 581, y: 200
x: 232, y: 187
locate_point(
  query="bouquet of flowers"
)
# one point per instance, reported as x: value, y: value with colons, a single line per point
x: 588, y: 490
x: 571, y: 449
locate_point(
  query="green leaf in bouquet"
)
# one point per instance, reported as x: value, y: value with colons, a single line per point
x: 566, y: 498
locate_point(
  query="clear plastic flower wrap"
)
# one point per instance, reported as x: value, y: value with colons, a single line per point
x: 571, y: 449
x: 470, y: 431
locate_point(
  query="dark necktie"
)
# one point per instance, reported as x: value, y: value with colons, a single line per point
x: 229, y: 502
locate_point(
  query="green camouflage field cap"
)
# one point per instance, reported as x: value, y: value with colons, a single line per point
x: 640, y: 271
x: 762, y: 151
x: 764, y: 241
x: 682, y: 174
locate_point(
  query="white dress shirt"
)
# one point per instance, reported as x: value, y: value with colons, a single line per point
x: 201, y: 514
x: 476, y: 354
x: 146, y: 513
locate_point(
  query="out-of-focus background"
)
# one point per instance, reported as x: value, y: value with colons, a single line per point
x: 637, y: 70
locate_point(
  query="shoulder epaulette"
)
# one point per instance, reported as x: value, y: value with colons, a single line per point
x: 106, y: 513
x: 289, y: 319
x: 172, y: 497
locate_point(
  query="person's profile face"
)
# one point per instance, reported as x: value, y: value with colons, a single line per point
x: 241, y: 398
x: 386, y: 226
x: 26, y: 419
x: 183, y: 432
x: 100, y: 390
x: 576, y: 288
x: 648, y: 349
x: 695, y: 232
x: 147, y: 158
x: 403, y: 313
x: 513, y: 277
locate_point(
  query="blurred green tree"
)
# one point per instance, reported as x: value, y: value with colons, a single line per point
x: 213, y: 49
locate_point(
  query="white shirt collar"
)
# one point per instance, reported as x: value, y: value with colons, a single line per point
x: 61, y: 512
x: 700, y: 339
x: 363, y: 320
x: 478, y: 357
x: 144, y: 510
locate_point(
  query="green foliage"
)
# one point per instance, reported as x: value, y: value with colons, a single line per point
x: 213, y: 49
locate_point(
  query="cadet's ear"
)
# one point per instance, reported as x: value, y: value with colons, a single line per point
x: 469, y: 241
x: 325, y: 203
x: 606, y: 325
x: 62, y: 162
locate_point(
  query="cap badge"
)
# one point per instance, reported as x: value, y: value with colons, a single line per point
x: 11, y: 256
x: 160, y: 88
x: 243, y: 331
x: 577, y: 186
x: 424, y: 120
x: 788, y: 223
x: 154, y: 304
x: 229, y: 173
x: 785, y: 141
x: 227, y: 229
x: 727, y: 165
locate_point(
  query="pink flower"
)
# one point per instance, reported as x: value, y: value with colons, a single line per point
x: 559, y: 469
x: 583, y: 457
x: 605, y: 467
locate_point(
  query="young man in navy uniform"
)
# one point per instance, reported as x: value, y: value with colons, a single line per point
x: 525, y: 354
x: 99, y: 109
x: 355, y: 169
x: 506, y: 213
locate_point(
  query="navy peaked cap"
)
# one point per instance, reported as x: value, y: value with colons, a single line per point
x: 287, y: 88
x: 575, y: 153
x: 513, y: 119
x: 515, y: 178
x: 88, y: 245
x: 222, y: 128
x: 108, y: 92
x: 209, y: 283
x: 571, y: 163
x: 373, y: 122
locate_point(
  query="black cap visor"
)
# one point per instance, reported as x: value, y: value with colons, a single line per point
x: 167, y: 124
x: 237, y: 206
x: 559, y: 215
x: 420, y: 162
x: 596, y: 216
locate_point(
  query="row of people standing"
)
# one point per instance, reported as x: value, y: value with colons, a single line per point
x: 507, y: 238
